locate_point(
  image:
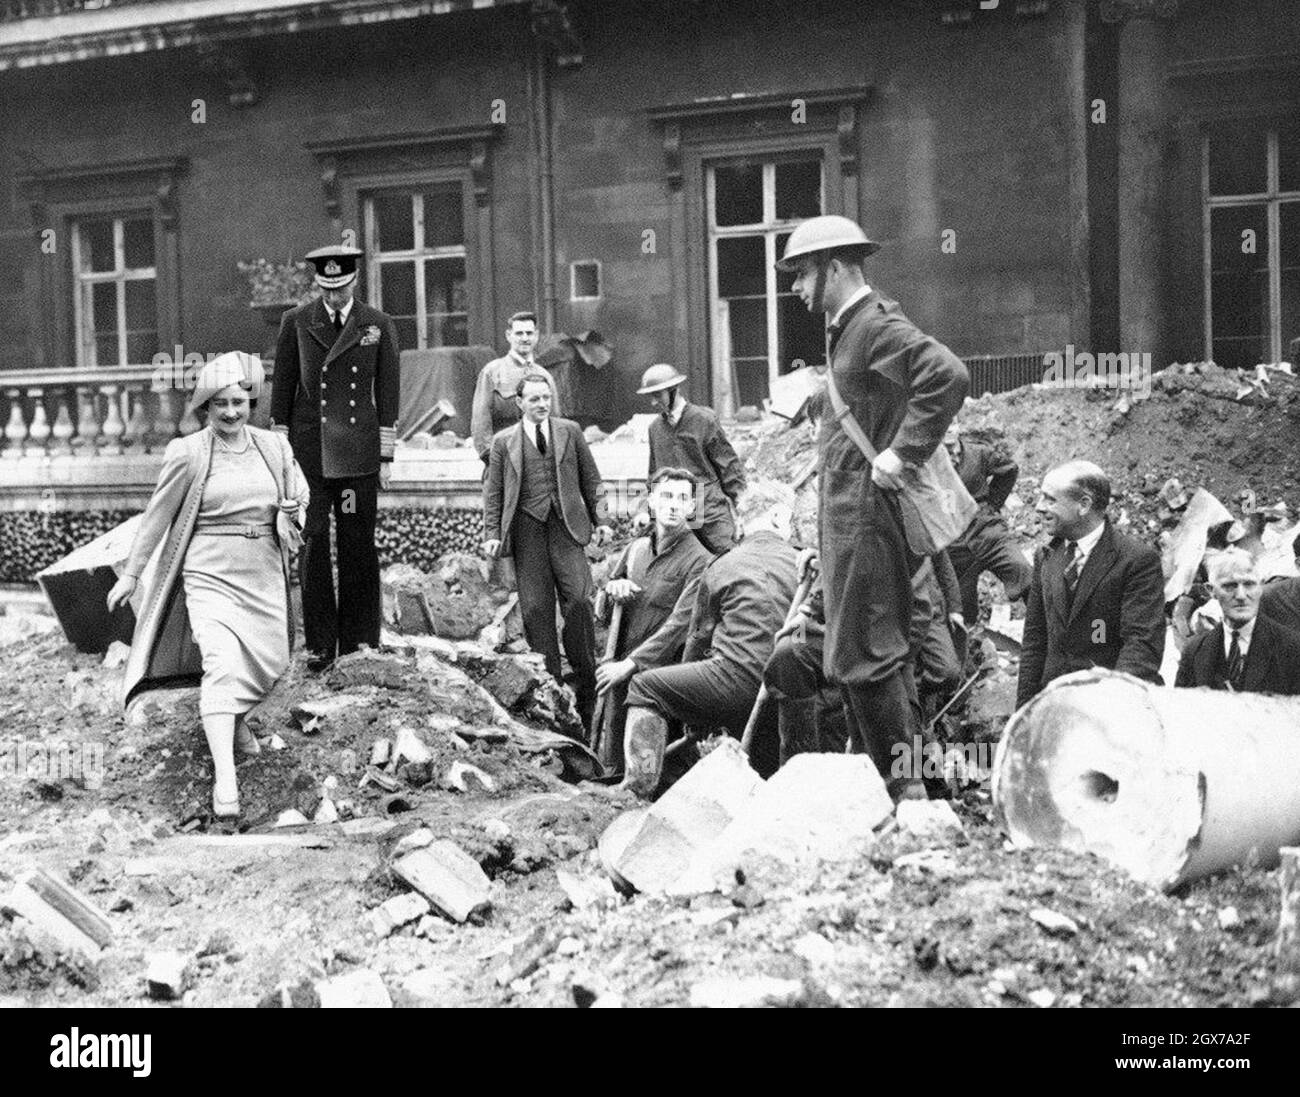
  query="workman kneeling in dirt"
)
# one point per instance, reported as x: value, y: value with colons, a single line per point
x: 728, y: 629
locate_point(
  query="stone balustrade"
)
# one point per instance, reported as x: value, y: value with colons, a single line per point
x: 89, y: 413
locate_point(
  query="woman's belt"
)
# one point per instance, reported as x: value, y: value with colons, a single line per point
x: 227, y: 530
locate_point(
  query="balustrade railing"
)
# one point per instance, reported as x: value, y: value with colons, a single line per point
x: 86, y: 415
x: 13, y: 10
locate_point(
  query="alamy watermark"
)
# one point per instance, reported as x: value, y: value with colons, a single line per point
x: 1126, y: 371
x: 53, y: 761
x: 968, y: 763
x: 179, y: 370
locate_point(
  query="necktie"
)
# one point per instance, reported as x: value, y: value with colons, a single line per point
x: 1072, y: 572
x: 338, y: 323
x: 1235, y: 660
x: 541, y: 441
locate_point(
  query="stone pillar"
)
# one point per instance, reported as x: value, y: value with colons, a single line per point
x: 1143, y: 194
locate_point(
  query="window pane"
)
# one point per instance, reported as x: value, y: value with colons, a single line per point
x: 394, y: 222
x: 749, y: 328
x: 1239, y: 285
x: 97, y: 246
x: 139, y: 243
x: 444, y: 294
x: 102, y: 323
x: 1290, y: 260
x: 751, y: 383
x: 397, y: 288
x: 1288, y: 157
x: 405, y: 332
x: 801, y: 335
x: 738, y: 195
x: 1238, y: 159
x: 798, y: 190
x: 444, y: 224
x: 141, y: 321
x: 742, y: 266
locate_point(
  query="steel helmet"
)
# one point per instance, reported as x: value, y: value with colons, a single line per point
x: 659, y: 377
x: 826, y: 233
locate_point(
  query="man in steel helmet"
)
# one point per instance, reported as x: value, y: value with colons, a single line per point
x: 903, y: 388
x: 685, y: 435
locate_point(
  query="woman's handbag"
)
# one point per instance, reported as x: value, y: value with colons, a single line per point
x: 287, y: 528
x: 935, y: 506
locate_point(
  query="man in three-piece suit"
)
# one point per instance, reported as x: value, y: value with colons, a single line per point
x: 335, y: 393
x: 1246, y: 652
x: 540, y: 505
x: 1097, y: 596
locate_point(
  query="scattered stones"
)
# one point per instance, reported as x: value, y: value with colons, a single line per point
x: 360, y: 989
x: 290, y: 818
x: 1229, y: 918
x: 327, y: 812
x: 366, y: 826
x: 276, y: 743
x: 116, y: 655
x: 167, y: 975
x: 928, y: 819
x: 513, y: 678
x: 381, y: 750
x: 396, y: 912
x: 448, y: 877
x: 428, y: 988
x: 1042, y: 998
x: 1058, y: 925
x: 220, y: 943
x: 497, y: 830
x: 141, y: 866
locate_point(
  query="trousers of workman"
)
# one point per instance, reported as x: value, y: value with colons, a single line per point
x: 810, y: 715
x: 550, y: 563
x: 988, y: 546
x: 867, y: 571
x: 336, y: 626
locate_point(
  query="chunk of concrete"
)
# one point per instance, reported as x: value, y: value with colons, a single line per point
x: 322, y: 709
x: 749, y: 992
x: 928, y: 819
x: 416, y: 839
x: 816, y: 807
x: 408, y: 747
x: 448, y: 877
x: 77, y: 589
x: 651, y: 853
x: 360, y: 989
x: 396, y: 912
x: 167, y: 975
x: 462, y: 777
x: 513, y: 678
x: 59, y: 911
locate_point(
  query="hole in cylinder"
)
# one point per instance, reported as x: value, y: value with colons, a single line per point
x: 1099, y: 786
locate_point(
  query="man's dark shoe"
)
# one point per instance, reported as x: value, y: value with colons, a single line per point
x: 317, y: 663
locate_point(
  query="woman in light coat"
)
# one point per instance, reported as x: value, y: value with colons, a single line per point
x: 227, y: 512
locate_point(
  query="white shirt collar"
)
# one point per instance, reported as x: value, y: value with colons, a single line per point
x: 1088, y: 542
x: 527, y: 363
x: 857, y: 296
x: 679, y: 409
x: 533, y: 428
x: 345, y: 311
x: 1243, y: 636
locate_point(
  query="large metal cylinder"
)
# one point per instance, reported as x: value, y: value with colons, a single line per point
x: 1168, y: 784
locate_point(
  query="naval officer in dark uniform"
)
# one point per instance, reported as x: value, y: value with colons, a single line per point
x: 336, y: 394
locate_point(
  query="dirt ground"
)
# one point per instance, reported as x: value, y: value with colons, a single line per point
x: 949, y: 925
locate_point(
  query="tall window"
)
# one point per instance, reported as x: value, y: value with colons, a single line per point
x: 1251, y: 190
x: 760, y: 329
x: 116, y: 291
x: 415, y: 243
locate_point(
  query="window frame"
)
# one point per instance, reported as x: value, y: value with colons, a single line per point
x: 1272, y: 198
x: 769, y: 229
x: 418, y: 253
x: 61, y: 197
x: 84, y: 338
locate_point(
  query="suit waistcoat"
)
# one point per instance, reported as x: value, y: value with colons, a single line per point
x: 539, y: 489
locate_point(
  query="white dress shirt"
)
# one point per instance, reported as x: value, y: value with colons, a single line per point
x: 857, y: 296
x: 534, y: 428
x: 1084, y: 545
x: 1243, y: 637
x: 345, y: 311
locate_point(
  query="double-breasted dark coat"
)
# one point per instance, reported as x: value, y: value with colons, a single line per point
x: 903, y: 387
x: 338, y: 398
x: 1272, y: 662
